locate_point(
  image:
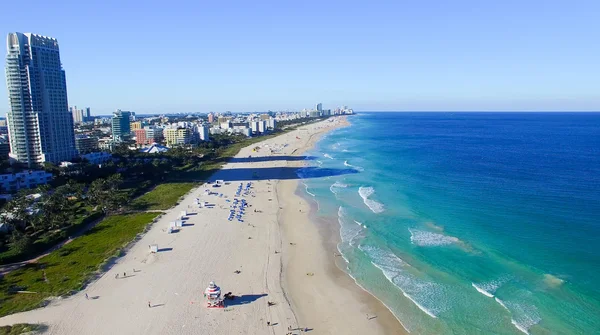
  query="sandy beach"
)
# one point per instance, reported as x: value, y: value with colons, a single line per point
x: 278, y: 264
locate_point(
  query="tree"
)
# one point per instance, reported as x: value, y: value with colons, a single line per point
x: 105, y: 193
x: 19, y: 242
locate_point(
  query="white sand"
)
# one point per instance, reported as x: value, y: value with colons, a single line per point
x: 211, y: 248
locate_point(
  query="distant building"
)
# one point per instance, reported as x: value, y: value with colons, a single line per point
x: 121, y: 125
x: 271, y: 123
x: 178, y: 136
x: 203, y: 131
x: 106, y: 144
x: 13, y: 182
x: 314, y: 114
x: 2, y: 122
x: 154, y: 134
x: 97, y: 157
x: 136, y: 125
x: 87, y: 115
x: 140, y: 136
x: 243, y: 130
x: 4, y: 150
x: 262, y: 126
x: 211, y: 118
x: 80, y: 115
x: 222, y: 119
x: 254, y: 127
x: 319, y: 107
x: 39, y: 122
x: 86, y: 144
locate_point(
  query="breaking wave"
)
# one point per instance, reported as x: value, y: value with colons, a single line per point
x: 353, y: 166
x: 427, y: 296
x: 349, y: 232
x: 335, y: 187
x: 328, y: 156
x: 523, y: 316
x: 373, y: 205
x: 489, y: 288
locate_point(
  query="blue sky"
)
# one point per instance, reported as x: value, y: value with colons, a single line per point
x: 200, y: 56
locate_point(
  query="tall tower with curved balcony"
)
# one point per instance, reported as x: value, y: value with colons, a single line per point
x: 40, y: 126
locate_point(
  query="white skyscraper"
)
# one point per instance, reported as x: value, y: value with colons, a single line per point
x: 39, y: 122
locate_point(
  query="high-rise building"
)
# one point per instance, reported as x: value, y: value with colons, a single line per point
x: 78, y: 115
x: 39, y: 123
x: 211, y: 117
x: 319, y: 107
x: 87, y: 116
x: 204, y: 132
x: 121, y: 125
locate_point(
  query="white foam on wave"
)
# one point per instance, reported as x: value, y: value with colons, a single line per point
x: 427, y: 296
x: 524, y: 316
x: 424, y: 238
x: 360, y: 224
x: 319, y: 163
x: 349, y: 233
x: 489, y: 288
x: 335, y: 187
x: 328, y: 156
x: 374, y: 206
x: 307, y: 191
x: 482, y: 291
x: 501, y: 303
x: 345, y: 150
x: 353, y: 166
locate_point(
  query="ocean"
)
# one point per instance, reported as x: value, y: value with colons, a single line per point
x: 468, y: 223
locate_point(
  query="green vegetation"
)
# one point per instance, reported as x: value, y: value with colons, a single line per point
x: 163, y: 196
x: 36, y: 224
x: 21, y: 328
x: 69, y: 268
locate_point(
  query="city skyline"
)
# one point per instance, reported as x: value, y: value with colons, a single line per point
x: 430, y: 56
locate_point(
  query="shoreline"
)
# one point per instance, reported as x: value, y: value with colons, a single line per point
x: 363, y: 312
x: 253, y: 258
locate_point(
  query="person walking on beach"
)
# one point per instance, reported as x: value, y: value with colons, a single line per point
x: 86, y: 297
x: 149, y: 305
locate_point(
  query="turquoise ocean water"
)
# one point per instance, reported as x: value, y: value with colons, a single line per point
x: 469, y: 223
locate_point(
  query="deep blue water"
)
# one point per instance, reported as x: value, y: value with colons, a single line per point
x: 470, y: 222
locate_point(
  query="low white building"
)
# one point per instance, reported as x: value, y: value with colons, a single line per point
x: 97, y: 157
x: 12, y: 182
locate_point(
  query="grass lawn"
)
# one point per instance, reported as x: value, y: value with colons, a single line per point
x: 20, y: 328
x: 163, y: 196
x: 68, y: 268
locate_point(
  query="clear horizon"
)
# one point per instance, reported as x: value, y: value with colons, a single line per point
x: 385, y: 56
